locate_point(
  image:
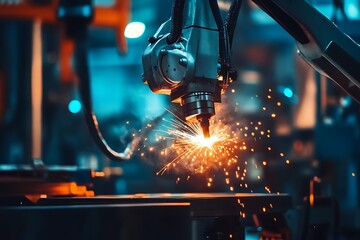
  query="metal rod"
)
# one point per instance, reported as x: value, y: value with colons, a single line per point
x: 36, y: 94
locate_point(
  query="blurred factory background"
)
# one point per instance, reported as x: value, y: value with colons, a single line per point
x: 317, y: 127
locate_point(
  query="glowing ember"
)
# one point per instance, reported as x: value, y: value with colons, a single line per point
x: 200, y: 140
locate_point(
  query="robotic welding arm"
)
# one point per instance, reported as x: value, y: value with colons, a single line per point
x: 188, y: 58
x: 319, y: 42
x: 194, y: 69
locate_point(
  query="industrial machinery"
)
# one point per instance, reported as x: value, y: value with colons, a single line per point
x: 188, y: 58
x: 177, y: 61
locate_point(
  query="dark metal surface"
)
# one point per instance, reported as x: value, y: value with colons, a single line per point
x: 158, y: 221
x: 201, y: 204
x: 140, y: 216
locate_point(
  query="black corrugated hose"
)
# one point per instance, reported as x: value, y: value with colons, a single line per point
x: 224, y: 55
x: 231, y: 19
x: 82, y: 69
x: 177, y: 19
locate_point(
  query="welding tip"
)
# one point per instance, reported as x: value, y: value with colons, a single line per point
x: 205, y: 125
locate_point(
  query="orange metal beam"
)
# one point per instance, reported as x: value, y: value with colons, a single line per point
x: 115, y: 16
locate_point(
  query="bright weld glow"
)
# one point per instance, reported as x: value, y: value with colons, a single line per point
x: 74, y: 106
x: 205, y: 142
x: 192, y: 151
x: 134, y: 30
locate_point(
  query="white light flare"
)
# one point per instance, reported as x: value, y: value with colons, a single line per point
x: 202, y: 141
x: 134, y: 30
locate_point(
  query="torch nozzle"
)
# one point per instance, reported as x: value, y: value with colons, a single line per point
x: 201, y: 106
x: 205, y: 125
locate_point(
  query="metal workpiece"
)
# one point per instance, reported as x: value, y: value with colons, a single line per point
x: 158, y: 216
x: 201, y: 204
x: 136, y: 221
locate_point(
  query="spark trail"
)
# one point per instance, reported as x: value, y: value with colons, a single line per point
x: 195, y: 151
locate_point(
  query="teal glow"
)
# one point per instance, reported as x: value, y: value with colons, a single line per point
x: 288, y: 92
x: 352, y: 10
x: 74, y: 106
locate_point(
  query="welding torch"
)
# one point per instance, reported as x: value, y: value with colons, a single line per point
x: 188, y: 58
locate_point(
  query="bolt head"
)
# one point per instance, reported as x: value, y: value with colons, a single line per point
x: 183, y: 62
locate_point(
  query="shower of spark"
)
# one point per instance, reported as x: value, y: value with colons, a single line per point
x: 197, y: 153
x: 230, y: 155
